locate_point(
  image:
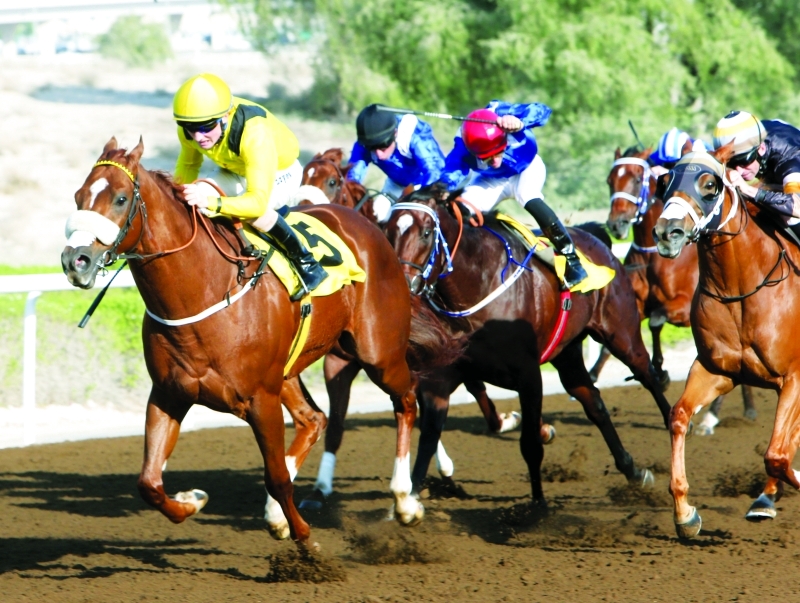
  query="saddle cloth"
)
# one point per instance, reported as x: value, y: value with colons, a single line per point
x: 326, y: 246
x: 599, y: 276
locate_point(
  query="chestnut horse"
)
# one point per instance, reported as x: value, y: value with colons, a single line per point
x: 742, y: 316
x: 507, y: 336
x: 664, y: 288
x: 233, y: 360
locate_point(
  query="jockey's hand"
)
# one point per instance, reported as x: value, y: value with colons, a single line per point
x: 509, y: 123
x: 192, y: 195
x: 741, y: 185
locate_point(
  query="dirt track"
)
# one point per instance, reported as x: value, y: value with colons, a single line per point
x: 74, y: 528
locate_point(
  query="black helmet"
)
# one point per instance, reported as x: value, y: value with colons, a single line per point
x: 375, y: 128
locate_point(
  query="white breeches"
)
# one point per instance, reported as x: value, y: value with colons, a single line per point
x: 485, y: 193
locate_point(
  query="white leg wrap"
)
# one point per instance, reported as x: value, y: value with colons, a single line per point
x: 707, y: 424
x: 325, y: 476
x: 273, y: 513
x: 401, y: 477
x: 444, y: 464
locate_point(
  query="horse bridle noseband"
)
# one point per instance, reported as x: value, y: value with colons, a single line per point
x: 137, y: 207
x: 642, y: 200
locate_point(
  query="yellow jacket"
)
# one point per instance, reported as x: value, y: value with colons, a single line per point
x: 255, y: 145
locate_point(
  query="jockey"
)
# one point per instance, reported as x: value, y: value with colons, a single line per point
x: 254, y: 152
x: 403, y: 148
x: 670, y: 149
x: 768, y: 150
x: 505, y: 161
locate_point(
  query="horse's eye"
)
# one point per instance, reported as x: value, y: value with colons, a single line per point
x: 426, y: 233
x: 638, y: 180
x: 121, y: 200
x: 331, y: 182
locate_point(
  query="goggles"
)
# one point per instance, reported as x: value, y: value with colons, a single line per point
x: 743, y: 159
x: 203, y: 127
x: 381, y: 146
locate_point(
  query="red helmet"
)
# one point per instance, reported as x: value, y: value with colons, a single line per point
x: 483, y: 140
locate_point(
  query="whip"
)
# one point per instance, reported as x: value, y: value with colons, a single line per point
x: 641, y: 146
x: 430, y: 114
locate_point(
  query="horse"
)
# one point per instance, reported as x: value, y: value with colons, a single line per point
x: 512, y: 335
x: 742, y: 316
x: 231, y: 351
x: 664, y: 288
x: 325, y: 181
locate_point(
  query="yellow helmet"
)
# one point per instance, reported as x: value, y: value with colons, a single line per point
x: 202, y: 98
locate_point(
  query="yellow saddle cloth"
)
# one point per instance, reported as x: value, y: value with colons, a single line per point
x: 326, y: 246
x: 599, y: 276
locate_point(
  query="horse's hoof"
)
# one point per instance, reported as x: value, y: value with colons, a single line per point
x: 647, y: 479
x: 509, y: 421
x: 408, y: 511
x: 280, y: 530
x: 314, y: 502
x: 751, y: 414
x: 762, y: 508
x: 664, y: 380
x: 548, y: 433
x: 704, y: 430
x: 196, y: 498
x: 691, y: 528
x: 707, y: 424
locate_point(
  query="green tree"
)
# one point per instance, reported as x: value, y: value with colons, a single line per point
x: 135, y: 43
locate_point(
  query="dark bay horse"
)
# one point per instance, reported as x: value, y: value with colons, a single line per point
x: 664, y: 288
x: 507, y: 336
x: 233, y: 360
x: 743, y: 316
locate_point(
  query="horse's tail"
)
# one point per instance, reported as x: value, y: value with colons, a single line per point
x: 432, y: 344
x: 597, y: 230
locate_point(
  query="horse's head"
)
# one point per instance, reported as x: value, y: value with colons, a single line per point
x: 325, y: 174
x: 695, y: 193
x: 415, y: 232
x: 105, y: 223
x: 630, y: 183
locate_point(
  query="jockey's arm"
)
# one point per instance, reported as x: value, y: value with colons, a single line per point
x: 428, y: 156
x: 187, y: 167
x: 456, y: 167
x: 786, y: 202
x: 532, y: 115
x: 360, y: 158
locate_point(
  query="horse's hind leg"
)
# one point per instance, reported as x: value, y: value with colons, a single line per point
x: 701, y: 389
x: 602, y: 358
x: 162, y: 428
x: 339, y: 375
x: 785, y: 435
x: 749, y: 407
x: 497, y: 422
x: 578, y: 384
x: 309, y: 421
x: 657, y: 321
x: 265, y: 417
x: 434, y: 402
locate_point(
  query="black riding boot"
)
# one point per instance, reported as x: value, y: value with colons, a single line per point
x: 554, y: 230
x: 309, y: 270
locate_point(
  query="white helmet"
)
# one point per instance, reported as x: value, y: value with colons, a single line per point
x: 744, y: 129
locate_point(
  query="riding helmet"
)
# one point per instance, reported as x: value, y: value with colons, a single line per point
x: 670, y: 147
x: 483, y: 140
x: 375, y: 128
x: 744, y: 129
x: 202, y: 98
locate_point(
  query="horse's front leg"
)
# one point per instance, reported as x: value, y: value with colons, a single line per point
x: 785, y: 434
x: 434, y: 400
x: 407, y: 508
x: 497, y: 422
x: 309, y: 422
x: 265, y: 417
x: 656, y: 323
x: 702, y: 388
x: 339, y: 376
x: 162, y: 427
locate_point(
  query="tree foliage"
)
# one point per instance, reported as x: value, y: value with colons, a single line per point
x: 597, y: 63
x: 136, y: 43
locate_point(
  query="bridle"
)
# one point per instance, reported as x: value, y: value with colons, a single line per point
x: 642, y: 200
x: 439, y: 242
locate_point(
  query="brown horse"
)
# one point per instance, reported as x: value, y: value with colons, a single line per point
x: 325, y: 181
x: 234, y: 360
x: 742, y: 316
x: 664, y: 288
x: 508, y: 334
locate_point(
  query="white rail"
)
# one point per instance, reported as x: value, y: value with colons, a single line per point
x: 34, y: 285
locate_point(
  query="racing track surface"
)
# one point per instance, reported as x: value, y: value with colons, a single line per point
x: 73, y: 528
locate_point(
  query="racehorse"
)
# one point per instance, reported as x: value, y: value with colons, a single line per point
x: 664, y: 288
x: 233, y: 360
x: 743, y: 316
x: 512, y: 335
x: 326, y: 174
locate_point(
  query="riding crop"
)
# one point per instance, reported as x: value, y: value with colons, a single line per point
x: 430, y: 114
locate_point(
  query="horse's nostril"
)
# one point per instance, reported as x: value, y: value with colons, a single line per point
x: 82, y: 262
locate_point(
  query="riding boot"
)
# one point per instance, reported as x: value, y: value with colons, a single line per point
x: 554, y: 230
x: 308, y: 269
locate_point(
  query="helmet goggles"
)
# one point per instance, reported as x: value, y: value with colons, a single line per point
x: 743, y: 159
x: 203, y: 127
